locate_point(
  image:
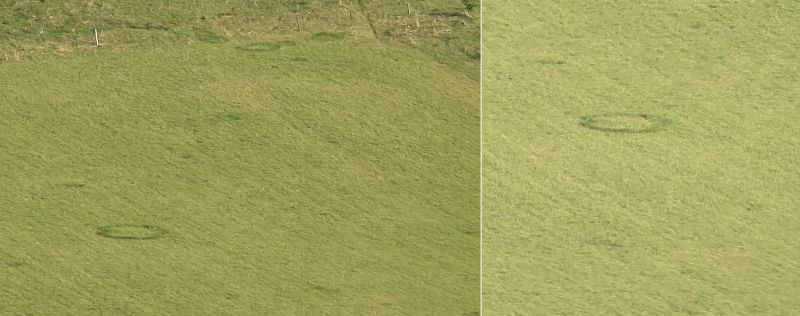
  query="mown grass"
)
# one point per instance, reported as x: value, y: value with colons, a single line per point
x: 323, y: 177
x: 697, y: 217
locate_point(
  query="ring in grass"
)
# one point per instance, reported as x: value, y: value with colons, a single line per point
x: 327, y: 36
x: 625, y: 122
x: 265, y: 46
x: 132, y: 232
x: 209, y: 37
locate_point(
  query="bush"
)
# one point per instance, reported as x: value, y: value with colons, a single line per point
x: 471, y: 4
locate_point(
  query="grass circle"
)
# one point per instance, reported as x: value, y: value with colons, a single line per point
x: 209, y: 37
x: 132, y: 232
x: 265, y: 46
x: 327, y: 36
x: 625, y: 122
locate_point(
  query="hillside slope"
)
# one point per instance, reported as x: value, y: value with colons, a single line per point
x: 295, y: 176
x: 641, y: 158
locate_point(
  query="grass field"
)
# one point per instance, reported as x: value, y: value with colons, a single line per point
x: 30, y: 28
x: 293, y: 173
x: 641, y: 158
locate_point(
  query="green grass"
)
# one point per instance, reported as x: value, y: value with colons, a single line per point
x: 319, y: 178
x: 698, y: 217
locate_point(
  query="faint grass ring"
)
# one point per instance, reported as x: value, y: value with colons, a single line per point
x: 117, y: 232
x: 266, y: 46
x: 328, y: 36
x: 656, y: 122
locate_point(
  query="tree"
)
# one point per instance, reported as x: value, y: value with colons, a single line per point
x: 470, y: 5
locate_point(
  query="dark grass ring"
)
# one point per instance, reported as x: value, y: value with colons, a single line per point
x: 656, y: 122
x: 327, y: 36
x: 132, y: 232
x: 265, y: 46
